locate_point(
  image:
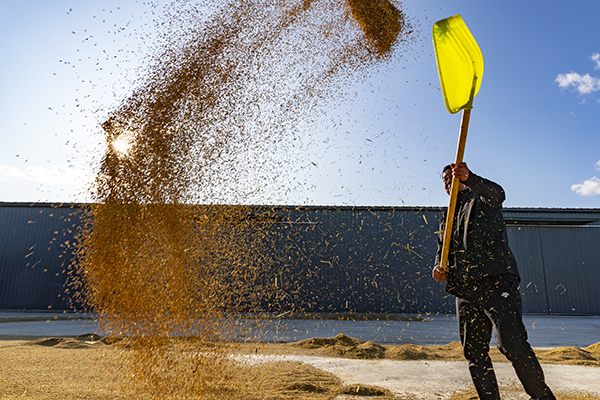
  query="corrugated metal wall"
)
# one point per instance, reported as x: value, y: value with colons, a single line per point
x: 558, y: 253
x: 360, y: 260
x: 526, y: 246
x: 572, y: 265
x: 34, y: 256
x: 560, y: 268
x: 340, y: 259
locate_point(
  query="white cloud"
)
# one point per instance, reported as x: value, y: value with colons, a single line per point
x: 596, y: 59
x: 590, y: 187
x: 585, y: 84
x: 598, y: 165
x: 9, y: 173
x: 57, y: 175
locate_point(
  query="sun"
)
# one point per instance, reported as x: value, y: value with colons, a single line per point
x: 122, y: 144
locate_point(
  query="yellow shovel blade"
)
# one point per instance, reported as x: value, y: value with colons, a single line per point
x: 459, y: 63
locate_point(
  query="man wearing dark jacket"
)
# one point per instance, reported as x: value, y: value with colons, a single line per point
x: 482, y: 273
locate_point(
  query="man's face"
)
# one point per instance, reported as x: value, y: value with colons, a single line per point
x: 447, y: 178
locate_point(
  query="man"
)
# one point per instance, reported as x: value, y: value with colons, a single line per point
x: 482, y: 273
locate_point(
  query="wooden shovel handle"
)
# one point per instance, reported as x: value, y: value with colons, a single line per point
x: 460, y: 151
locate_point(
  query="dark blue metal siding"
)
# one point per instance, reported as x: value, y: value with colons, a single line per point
x: 34, y: 256
x: 525, y: 243
x: 379, y: 260
x: 572, y: 265
x: 560, y: 268
x: 361, y: 260
x: 338, y: 259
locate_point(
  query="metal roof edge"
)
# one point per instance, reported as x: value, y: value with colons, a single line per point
x: 41, y: 204
x: 552, y: 209
x: 325, y: 207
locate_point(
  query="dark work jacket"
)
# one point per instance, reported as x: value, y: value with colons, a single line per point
x: 479, y: 247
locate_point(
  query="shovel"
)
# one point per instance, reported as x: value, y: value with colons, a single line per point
x: 460, y: 67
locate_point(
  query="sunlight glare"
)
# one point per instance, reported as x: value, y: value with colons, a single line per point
x: 122, y: 144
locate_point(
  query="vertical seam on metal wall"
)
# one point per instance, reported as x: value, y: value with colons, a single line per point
x: 544, y: 270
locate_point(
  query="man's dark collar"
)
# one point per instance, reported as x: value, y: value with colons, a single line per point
x: 463, y: 194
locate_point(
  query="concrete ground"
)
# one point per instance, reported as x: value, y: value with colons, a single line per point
x: 420, y: 379
x: 430, y: 380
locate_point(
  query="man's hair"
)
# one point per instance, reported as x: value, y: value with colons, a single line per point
x: 447, y: 167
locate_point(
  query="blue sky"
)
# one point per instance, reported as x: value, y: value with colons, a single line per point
x: 534, y: 125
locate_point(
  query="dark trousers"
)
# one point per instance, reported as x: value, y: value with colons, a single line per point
x: 494, y: 304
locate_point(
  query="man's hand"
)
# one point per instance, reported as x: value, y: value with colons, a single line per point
x: 439, y: 274
x: 460, y: 171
